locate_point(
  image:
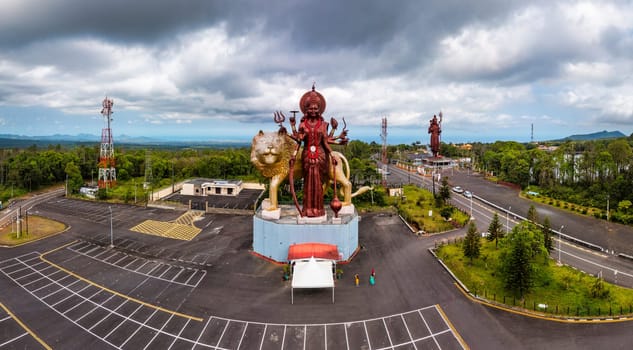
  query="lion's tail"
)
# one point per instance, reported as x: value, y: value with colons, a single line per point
x: 346, y: 168
x: 362, y: 190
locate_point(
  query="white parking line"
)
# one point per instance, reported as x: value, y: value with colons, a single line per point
x: 205, y: 328
x: 84, y: 300
x: 13, y: 339
x: 160, y: 331
x: 116, y: 262
x: 264, y: 337
x: 408, y: 331
x: 126, y: 318
x: 366, y: 333
x: 429, y: 329
x: 180, y: 333
x: 387, y: 330
x: 139, y: 269
x: 229, y: 327
x: 130, y: 263
x: 224, y: 330
x: 103, y: 319
x: 161, y: 275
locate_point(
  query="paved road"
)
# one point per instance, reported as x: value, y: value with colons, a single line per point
x: 613, y: 238
x: 73, y: 291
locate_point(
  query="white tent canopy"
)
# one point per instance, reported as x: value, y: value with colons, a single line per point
x: 312, y: 273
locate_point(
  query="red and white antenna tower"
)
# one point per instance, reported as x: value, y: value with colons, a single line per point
x: 384, y: 160
x: 107, y: 170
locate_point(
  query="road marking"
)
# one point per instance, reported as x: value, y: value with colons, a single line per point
x: 25, y: 327
x: 139, y: 269
x: 159, y: 332
x: 595, y: 263
x: 366, y: 333
x: 408, y: 331
x: 111, y: 290
x: 450, y: 325
x: 428, y: 328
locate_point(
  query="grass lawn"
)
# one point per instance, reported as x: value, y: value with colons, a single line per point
x: 415, y: 209
x: 567, y: 206
x: 564, y: 290
x: 38, y: 227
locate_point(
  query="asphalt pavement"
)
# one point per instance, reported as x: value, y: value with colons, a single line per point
x: 72, y: 290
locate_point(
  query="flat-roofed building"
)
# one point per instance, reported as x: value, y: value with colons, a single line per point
x: 207, y: 187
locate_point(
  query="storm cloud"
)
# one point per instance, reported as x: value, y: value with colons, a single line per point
x: 183, y: 67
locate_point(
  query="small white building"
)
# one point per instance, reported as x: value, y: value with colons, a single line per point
x: 207, y: 187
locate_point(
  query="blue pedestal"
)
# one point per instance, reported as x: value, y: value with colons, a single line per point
x: 272, y: 237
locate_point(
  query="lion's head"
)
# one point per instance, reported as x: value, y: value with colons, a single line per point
x: 271, y: 151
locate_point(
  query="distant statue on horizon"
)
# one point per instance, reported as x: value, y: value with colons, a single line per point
x: 435, y: 129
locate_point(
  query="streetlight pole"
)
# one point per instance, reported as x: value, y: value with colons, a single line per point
x: 508, y: 220
x: 559, y: 239
x: 471, y: 206
x: 111, y: 235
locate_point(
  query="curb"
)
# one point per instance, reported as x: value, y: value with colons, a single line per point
x: 525, y: 312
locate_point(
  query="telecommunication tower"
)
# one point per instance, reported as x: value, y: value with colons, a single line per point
x: 107, y: 170
x: 384, y: 160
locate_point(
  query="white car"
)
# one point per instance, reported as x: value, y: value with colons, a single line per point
x: 468, y: 194
x: 485, y: 234
x: 458, y: 189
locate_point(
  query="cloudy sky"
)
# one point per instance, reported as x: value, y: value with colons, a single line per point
x: 217, y: 70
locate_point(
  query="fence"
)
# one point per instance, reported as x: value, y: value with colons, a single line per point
x: 539, y: 307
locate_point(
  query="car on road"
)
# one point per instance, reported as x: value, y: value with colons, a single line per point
x: 485, y: 234
x: 458, y: 189
x: 468, y: 194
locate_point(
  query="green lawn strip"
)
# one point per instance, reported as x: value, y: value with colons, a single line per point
x: 554, y: 286
x: 415, y: 206
x: 567, y: 206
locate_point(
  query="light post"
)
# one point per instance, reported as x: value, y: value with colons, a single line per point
x: 508, y: 220
x: 111, y: 235
x: 559, y: 239
x: 471, y: 206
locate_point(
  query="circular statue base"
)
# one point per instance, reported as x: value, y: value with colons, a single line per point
x: 273, y: 235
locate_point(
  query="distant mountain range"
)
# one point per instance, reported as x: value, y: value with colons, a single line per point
x: 601, y: 135
x: 22, y: 141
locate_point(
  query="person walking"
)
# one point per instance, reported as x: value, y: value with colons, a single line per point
x: 356, y: 280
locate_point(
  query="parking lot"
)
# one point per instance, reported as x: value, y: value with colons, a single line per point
x: 73, y: 290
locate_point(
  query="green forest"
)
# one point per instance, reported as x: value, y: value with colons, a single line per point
x: 24, y: 170
x: 587, y: 173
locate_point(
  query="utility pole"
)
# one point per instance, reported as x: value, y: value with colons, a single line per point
x: 508, y: 220
x: 111, y: 234
x: 560, y: 232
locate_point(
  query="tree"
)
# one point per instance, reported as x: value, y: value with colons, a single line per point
x: 495, y: 230
x: 471, y: 245
x: 516, y: 265
x: 446, y: 212
x: 532, y: 215
x: 444, y: 194
x: 75, y: 181
x: 547, y: 234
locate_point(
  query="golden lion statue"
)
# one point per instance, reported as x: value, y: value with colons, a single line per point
x: 271, y: 152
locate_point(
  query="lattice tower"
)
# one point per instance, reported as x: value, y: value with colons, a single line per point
x: 384, y: 160
x: 107, y: 169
